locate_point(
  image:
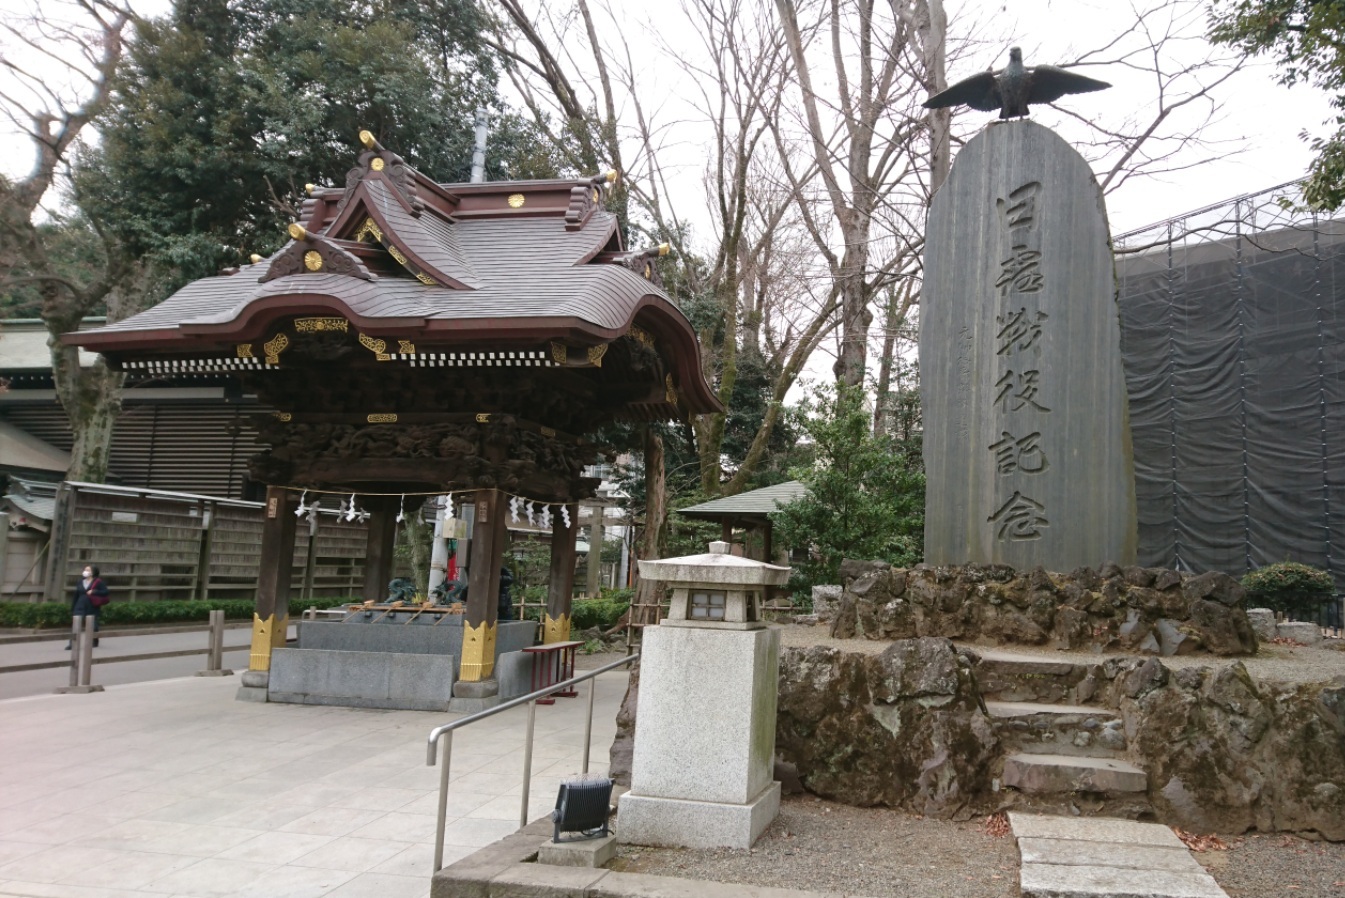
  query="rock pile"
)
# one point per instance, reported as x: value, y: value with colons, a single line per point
x: 1146, y: 610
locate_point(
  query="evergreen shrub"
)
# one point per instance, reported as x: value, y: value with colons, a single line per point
x: 1287, y: 586
x: 56, y: 615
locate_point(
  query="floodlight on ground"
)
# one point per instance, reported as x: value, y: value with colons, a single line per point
x: 582, y: 805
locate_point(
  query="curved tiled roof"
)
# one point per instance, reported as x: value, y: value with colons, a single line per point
x: 512, y: 261
x: 535, y: 272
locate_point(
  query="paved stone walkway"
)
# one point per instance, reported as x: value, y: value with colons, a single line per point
x: 173, y: 788
x: 1096, y: 857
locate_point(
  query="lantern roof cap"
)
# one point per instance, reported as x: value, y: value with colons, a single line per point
x: 715, y: 567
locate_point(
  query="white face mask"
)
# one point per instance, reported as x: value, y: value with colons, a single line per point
x: 88, y: 575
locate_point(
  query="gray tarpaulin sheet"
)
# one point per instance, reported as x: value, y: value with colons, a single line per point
x: 1234, y: 351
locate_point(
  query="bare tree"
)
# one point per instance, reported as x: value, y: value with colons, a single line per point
x: 1180, y: 76
x: 536, y: 48
x: 740, y: 70
x: 860, y: 131
x: 62, y: 61
x: 881, y: 158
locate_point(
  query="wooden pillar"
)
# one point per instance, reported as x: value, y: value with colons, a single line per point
x: 726, y: 531
x: 311, y: 557
x: 480, y: 623
x: 560, y: 589
x: 378, y: 546
x: 202, y: 588
x: 271, y: 621
x: 58, y: 545
x: 595, y: 538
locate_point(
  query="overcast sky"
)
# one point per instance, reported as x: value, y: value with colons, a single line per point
x: 1261, y: 118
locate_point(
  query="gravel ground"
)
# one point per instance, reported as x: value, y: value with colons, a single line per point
x: 822, y: 846
x: 818, y: 845
x: 1271, y: 866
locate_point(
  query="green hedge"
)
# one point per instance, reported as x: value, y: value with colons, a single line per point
x: 602, y: 612
x: 47, y: 615
x: 1288, y: 586
x: 1288, y: 577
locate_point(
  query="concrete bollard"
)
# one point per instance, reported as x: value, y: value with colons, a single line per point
x: 81, y: 670
x: 76, y: 625
x: 215, y: 655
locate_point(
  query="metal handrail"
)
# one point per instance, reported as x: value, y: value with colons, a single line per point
x: 446, y: 732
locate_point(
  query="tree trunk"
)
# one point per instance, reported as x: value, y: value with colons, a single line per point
x: 91, y: 398
x: 855, y: 318
x: 649, y: 593
x: 880, y: 399
x: 419, y: 536
x: 898, y: 307
x: 656, y: 491
x: 933, y: 32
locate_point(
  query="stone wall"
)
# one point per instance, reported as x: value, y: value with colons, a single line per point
x: 1227, y: 753
x: 901, y: 729
x: 905, y: 729
x: 1147, y: 610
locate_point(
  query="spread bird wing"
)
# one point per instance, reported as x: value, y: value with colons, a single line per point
x: 1050, y: 83
x: 978, y: 92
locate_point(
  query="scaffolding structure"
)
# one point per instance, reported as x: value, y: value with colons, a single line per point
x: 1233, y: 339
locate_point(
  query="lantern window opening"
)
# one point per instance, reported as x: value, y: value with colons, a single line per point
x: 708, y: 605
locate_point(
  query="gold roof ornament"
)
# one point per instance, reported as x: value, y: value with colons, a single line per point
x: 297, y: 231
x: 376, y: 163
x: 254, y: 258
x: 309, y: 188
x: 367, y: 138
x: 275, y: 347
x: 664, y: 249
x: 612, y: 175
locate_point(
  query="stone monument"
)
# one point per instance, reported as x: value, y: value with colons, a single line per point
x: 705, y: 732
x: 1027, y: 435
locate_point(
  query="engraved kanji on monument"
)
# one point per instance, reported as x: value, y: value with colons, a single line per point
x: 1027, y: 447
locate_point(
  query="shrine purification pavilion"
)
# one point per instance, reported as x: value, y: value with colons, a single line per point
x: 417, y: 338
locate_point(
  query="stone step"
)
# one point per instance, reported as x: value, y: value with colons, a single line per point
x: 1044, y: 773
x: 1058, y: 729
x: 1068, y: 857
x: 1006, y: 677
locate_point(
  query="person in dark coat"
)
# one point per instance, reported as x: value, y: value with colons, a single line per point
x: 90, y: 597
x: 505, y: 607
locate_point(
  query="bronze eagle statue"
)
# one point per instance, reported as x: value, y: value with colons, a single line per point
x: 1011, y: 89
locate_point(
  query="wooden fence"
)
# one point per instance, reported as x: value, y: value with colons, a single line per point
x: 152, y: 544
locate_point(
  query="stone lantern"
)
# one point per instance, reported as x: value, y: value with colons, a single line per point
x: 705, y: 717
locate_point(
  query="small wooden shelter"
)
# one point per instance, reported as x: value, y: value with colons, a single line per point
x: 420, y: 338
x: 750, y: 511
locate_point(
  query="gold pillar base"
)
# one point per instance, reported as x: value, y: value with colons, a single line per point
x: 267, y: 634
x: 478, y: 652
x: 263, y: 640
x: 555, y: 629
